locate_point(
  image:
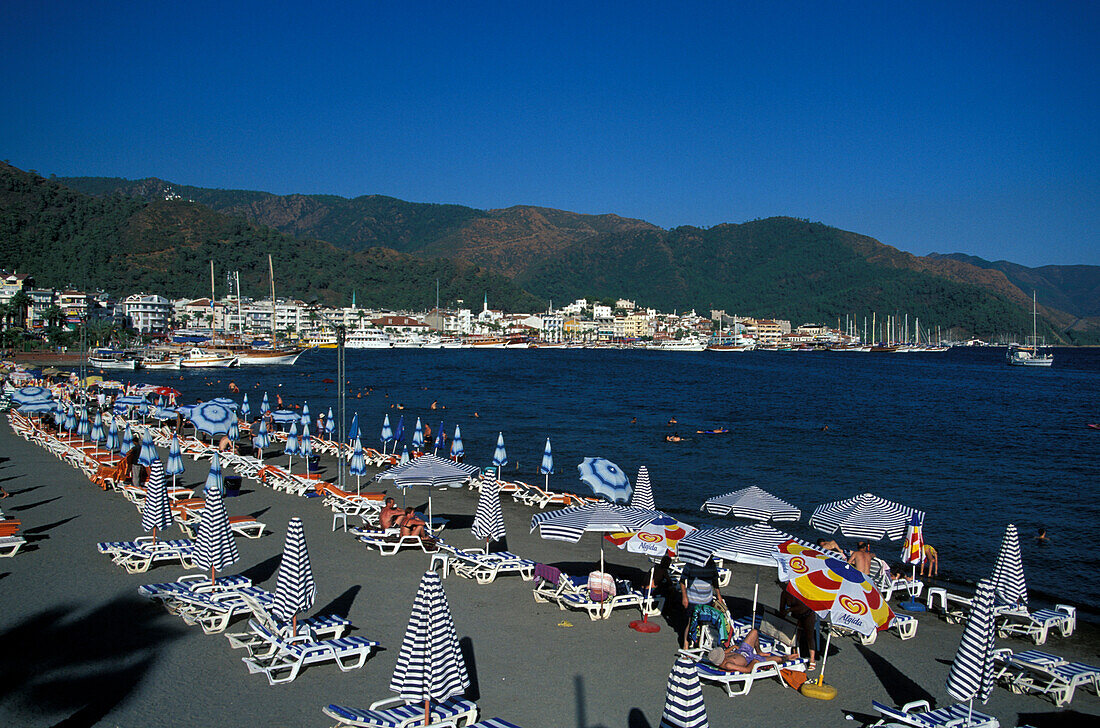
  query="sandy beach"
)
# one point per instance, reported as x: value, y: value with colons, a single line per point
x: 82, y: 648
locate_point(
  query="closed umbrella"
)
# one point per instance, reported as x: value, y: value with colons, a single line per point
x: 864, y: 516
x: 606, y: 479
x: 70, y: 419
x: 212, y: 418
x: 305, y: 413
x: 404, y: 455
x: 1009, y: 584
x: 97, y: 428
x: 418, y: 436
x: 398, y: 432
x: 265, y: 406
x: 175, y: 459
x: 353, y: 433
x: 295, y: 589
x: 971, y: 675
x: 261, y: 439
x: 440, y: 439
x: 306, y: 446
x: 684, y: 706
x: 156, y: 512
x: 430, y: 665
x: 488, y: 519
x: 387, y: 433
x: 127, y: 442
x: 547, y: 466
x: 148, y: 453
x: 642, y: 497
x: 214, y: 547
x: 246, y: 411
x: 500, y: 455
x: 83, y: 427
x: 291, y: 447
x: 753, y: 503
x: 457, y: 451
x: 234, y: 433
x: 358, y: 465
x: 112, y: 442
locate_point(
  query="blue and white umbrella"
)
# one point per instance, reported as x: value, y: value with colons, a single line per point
x: 37, y: 408
x: 225, y: 402
x: 430, y: 665
x: 70, y: 419
x: 457, y: 451
x: 212, y: 418
x: 265, y: 406
x: 753, y: 503
x: 440, y: 439
x: 864, y: 516
x: 547, y: 466
x: 59, y: 415
x: 305, y: 413
x: 234, y: 433
x: 971, y: 675
x: 606, y: 479
x: 156, y: 512
x: 428, y: 471
x: 500, y: 455
x: 330, y: 424
x: 31, y: 395
x: 1009, y: 584
x: 126, y: 444
x: 295, y: 589
x: 306, y: 446
x: 130, y: 400
x: 569, y: 524
x: 261, y: 439
x: 642, y: 497
x: 148, y: 452
x: 358, y: 465
x: 285, y: 417
x: 353, y: 433
x: 387, y: 432
x: 112, y: 442
x: 97, y: 428
x: 488, y: 519
x: 175, y: 459
x: 399, y: 431
x: 83, y: 427
x: 214, y: 547
x: 418, y: 436
x: 291, y: 447
x: 684, y: 706
x: 404, y: 455
x: 246, y: 411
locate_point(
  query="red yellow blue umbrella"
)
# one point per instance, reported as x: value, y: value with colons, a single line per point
x: 660, y: 536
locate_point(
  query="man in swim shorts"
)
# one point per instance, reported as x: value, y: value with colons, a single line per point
x: 390, y: 514
x: 862, y: 557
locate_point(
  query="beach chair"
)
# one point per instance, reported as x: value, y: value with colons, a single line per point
x: 1038, y: 625
x: 1045, y: 674
x: 264, y: 632
x: 919, y: 713
x: 887, y: 583
x: 571, y: 592
x: 10, y: 545
x: 399, y: 713
x: 192, y: 584
x: 676, y: 571
x: 480, y: 566
x: 139, y: 555
x: 213, y: 611
x: 389, y: 544
x: 290, y: 655
x: 740, y: 683
x: 904, y: 626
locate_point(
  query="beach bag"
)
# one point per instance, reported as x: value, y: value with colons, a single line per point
x: 794, y: 678
x: 779, y: 629
x: 601, y: 586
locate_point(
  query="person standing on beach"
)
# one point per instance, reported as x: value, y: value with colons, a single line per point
x: 931, y: 560
x: 698, y: 587
x: 862, y: 557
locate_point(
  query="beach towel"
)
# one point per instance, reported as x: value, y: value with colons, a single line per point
x: 601, y: 586
x: 547, y: 573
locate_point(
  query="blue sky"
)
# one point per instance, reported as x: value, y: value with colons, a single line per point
x: 930, y: 126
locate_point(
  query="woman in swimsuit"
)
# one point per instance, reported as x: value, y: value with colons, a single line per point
x: 742, y: 657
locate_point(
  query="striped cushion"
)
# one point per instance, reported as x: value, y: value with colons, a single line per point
x: 451, y: 708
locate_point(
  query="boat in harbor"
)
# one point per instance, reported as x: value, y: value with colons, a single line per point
x: 160, y: 361
x: 201, y: 359
x: 367, y: 338
x: 685, y: 344
x: 113, y: 359
x: 1030, y: 354
x: 263, y: 356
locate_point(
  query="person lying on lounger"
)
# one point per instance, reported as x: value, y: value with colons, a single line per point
x: 390, y: 514
x: 741, y: 658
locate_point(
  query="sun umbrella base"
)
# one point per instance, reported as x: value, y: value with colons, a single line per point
x: 913, y: 606
x: 642, y: 625
x: 819, y: 692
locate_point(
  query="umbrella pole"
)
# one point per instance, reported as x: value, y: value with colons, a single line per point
x: 427, y: 720
x: 154, y: 534
x: 357, y: 485
x: 294, y: 625
x: 824, y: 658
x: 755, y: 594
x: 212, y: 581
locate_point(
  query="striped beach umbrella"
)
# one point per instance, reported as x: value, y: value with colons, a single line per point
x: 358, y: 464
x: 418, y: 436
x: 404, y: 455
x: 500, y: 455
x: 399, y: 431
x: 971, y: 675
x: 440, y: 439
x: 353, y: 433
x: 59, y: 415
x: 97, y: 428
x: 547, y: 465
x: 156, y: 512
x: 234, y: 432
x: 291, y: 447
x: 306, y: 445
x: 428, y: 471
x: 642, y: 497
x: 214, y: 547
x: 246, y: 410
x: 112, y: 436
x: 569, y: 524
x: 430, y: 665
x: 295, y: 589
x: 753, y: 503
x: 684, y: 706
x: 83, y: 427
x: 37, y: 408
x: 864, y: 516
x: 127, y: 442
x: 1009, y: 584
x: 31, y: 395
x: 70, y: 419
x: 457, y: 451
x: 386, y: 435
x: 488, y: 519
x: 212, y: 418
x: 265, y: 406
x: 226, y: 402
x: 305, y: 413
x: 285, y: 417
x: 261, y: 439
x: 148, y: 452
x: 606, y: 479
x: 175, y: 459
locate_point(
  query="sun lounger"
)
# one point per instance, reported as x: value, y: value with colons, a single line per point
x: 10, y: 545
x: 290, y: 655
x: 676, y: 570
x: 213, y: 611
x: 390, y: 544
x: 887, y: 583
x: 1045, y: 674
x: 955, y: 607
x: 571, y: 592
x: 904, y: 626
x: 483, y: 567
x: 192, y: 584
x: 398, y: 713
x: 264, y: 632
x: 138, y: 555
x: 739, y: 683
x: 919, y: 713
x: 1038, y: 625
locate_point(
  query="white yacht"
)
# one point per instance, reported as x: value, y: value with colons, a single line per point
x: 368, y: 339
x: 1030, y: 354
x: 200, y: 359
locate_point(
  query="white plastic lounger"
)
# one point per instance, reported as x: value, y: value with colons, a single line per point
x: 485, y: 568
x: 739, y: 683
x: 1045, y: 674
x: 389, y: 545
x: 904, y: 626
x: 263, y: 637
x: 570, y: 592
x: 213, y: 612
x: 955, y: 607
x: 919, y: 714
x: 291, y: 655
x: 139, y: 555
x: 397, y: 713
x: 1038, y: 625
x: 887, y: 584
x: 191, y: 584
x: 10, y: 545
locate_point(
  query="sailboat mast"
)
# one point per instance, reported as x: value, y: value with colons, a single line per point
x: 213, y: 330
x: 271, y: 277
x: 240, y: 316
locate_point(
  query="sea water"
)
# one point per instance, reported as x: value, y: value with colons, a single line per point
x: 974, y: 443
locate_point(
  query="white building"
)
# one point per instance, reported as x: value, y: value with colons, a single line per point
x: 147, y: 313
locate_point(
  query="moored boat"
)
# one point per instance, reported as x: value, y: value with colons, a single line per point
x: 153, y: 361
x: 1030, y: 354
x: 200, y: 359
x: 268, y: 356
x: 112, y: 359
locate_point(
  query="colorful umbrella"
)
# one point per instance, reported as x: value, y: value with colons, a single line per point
x: 754, y: 503
x: 606, y: 479
x: 295, y: 589
x: 661, y: 535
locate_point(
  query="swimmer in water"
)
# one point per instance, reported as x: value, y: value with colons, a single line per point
x: 672, y: 421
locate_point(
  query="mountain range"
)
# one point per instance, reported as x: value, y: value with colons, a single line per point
x: 151, y: 233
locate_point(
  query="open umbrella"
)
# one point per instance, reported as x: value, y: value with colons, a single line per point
x: 642, y: 497
x: 175, y: 459
x: 547, y: 465
x: 440, y: 439
x: 31, y: 395
x: 753, y: 503
x: 285, y: 417
x: 864, y: 516
x: 430, y: 665
x: 655, y: 539
x: 606, y: 479
x: 971, y: 673
x: 428, y: 471
x: 358, y: 465
x: 148, y: 452
x: 500, y: 455
x: 569, y: 524
x: 225, y: 402
x: 834, y: 589
x: 212, y: 418
x: 291, y: 447
x: 37, y: 408
x: 684, y: 706
x: 387, y: 433
x: 156, y: 512
x: 295, y: 589
x: 418, y: 436
x: 214, y: 547
x: 246, y: 411
x: 488, y: 519
x: 457, y: 451
x: 261, y: 439
x: 1009, y: 584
